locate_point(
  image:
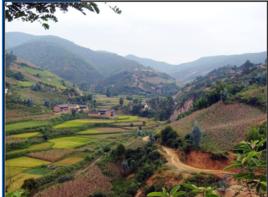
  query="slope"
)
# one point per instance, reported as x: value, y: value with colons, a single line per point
x: 105, y: 63
x: 140, y: 82
x: 32, y: 90
x: 187, y: 72
x: 225, y: 125
x: 58, y: 60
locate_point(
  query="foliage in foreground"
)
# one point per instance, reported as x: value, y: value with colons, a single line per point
x: 181, y: 190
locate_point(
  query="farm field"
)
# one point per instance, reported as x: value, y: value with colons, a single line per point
x: 24, y: 125
x: 63, y: 151
x: 26, y: 135
x: 84, y: 122
x: 224, y: 124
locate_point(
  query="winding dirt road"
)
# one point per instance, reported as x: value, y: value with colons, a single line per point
x: 173, y: 158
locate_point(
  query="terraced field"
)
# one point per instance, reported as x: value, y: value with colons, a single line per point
x: 35, y: 160
x: 24, y: 125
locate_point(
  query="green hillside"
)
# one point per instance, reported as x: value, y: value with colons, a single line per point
x: 31, y: 90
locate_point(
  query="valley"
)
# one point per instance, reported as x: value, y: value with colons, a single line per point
x: 131, y: 130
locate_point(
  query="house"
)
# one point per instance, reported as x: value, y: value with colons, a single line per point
x: 61, y: 108
x: 106, y: 113
x: 102, y: 113
x: 65, y: 108
x: 83, y: 108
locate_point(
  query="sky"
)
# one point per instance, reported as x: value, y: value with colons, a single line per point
x: 174, y: 32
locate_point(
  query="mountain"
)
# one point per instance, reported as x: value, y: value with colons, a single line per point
x: 245, y: 83
x: 187, y: 72
x: 158, y: 65
x: 78, y: 64
x: 58, y: 60
x: 98, y: 62
x: 33, y: 90
x: 141, y: 82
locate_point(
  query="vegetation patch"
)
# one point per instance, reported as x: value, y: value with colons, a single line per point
x: 69, y: 142
x: 32, y: 148
x: 25, y: 125
x: 81, y: 122
x: 25, y: 162
x: 26, y: 135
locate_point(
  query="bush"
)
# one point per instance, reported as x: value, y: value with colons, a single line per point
x: 144, y: 173
x: 97, y: 194
x: 30, y: 184
x: 170, y: 138
x: 64, y: 178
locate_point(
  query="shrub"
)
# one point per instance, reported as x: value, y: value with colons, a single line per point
x: 64, y: 178
x: 97, y: 194
x: 30, y: 184
x: 170, y: 138
x: 144, y: 173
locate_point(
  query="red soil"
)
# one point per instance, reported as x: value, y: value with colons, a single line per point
x: 203, y: 160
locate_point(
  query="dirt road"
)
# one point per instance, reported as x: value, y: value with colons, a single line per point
x: 173, y: 158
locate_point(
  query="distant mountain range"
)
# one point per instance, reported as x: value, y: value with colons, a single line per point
x: 85, y: 67
x: 77, y: 64
x: 187, y: 72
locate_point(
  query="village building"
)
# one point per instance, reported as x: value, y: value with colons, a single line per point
x: 103, y: 113
x: 66, y: 108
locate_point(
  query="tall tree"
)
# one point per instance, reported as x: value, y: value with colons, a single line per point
x: 44, y: 12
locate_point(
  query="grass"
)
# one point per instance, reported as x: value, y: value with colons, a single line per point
x: 32, y: 148
x: 69, y: 142
x: 44, y: 76
x: 26, y: 135
x: 24, y: 84
x: 41, y: 170
x: 25, y: 162
x: 25, y: 125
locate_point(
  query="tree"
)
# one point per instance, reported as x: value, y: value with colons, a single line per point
x: 10, y: 58
x: 196, y: 136
x: 121, y: 101
x: 44, y: 12
x: 29, y: 184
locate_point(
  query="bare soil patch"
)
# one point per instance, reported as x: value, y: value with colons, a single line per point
x: 91, y: 181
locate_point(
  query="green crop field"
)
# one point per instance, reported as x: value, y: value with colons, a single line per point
x: 26, y: 162
x: 69, y: 142
x: 32, y: 148
x: 102, y: 130
x: 26, y: 135
x: 25, y: 125
x: 81, y: 122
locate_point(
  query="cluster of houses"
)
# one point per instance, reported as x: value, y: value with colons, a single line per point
x: 68, y: 108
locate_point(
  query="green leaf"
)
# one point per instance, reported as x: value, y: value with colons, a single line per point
x: 175, y: 189
x: 156, y: 194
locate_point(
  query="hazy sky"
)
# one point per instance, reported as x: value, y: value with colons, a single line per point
x: 172, y: 32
